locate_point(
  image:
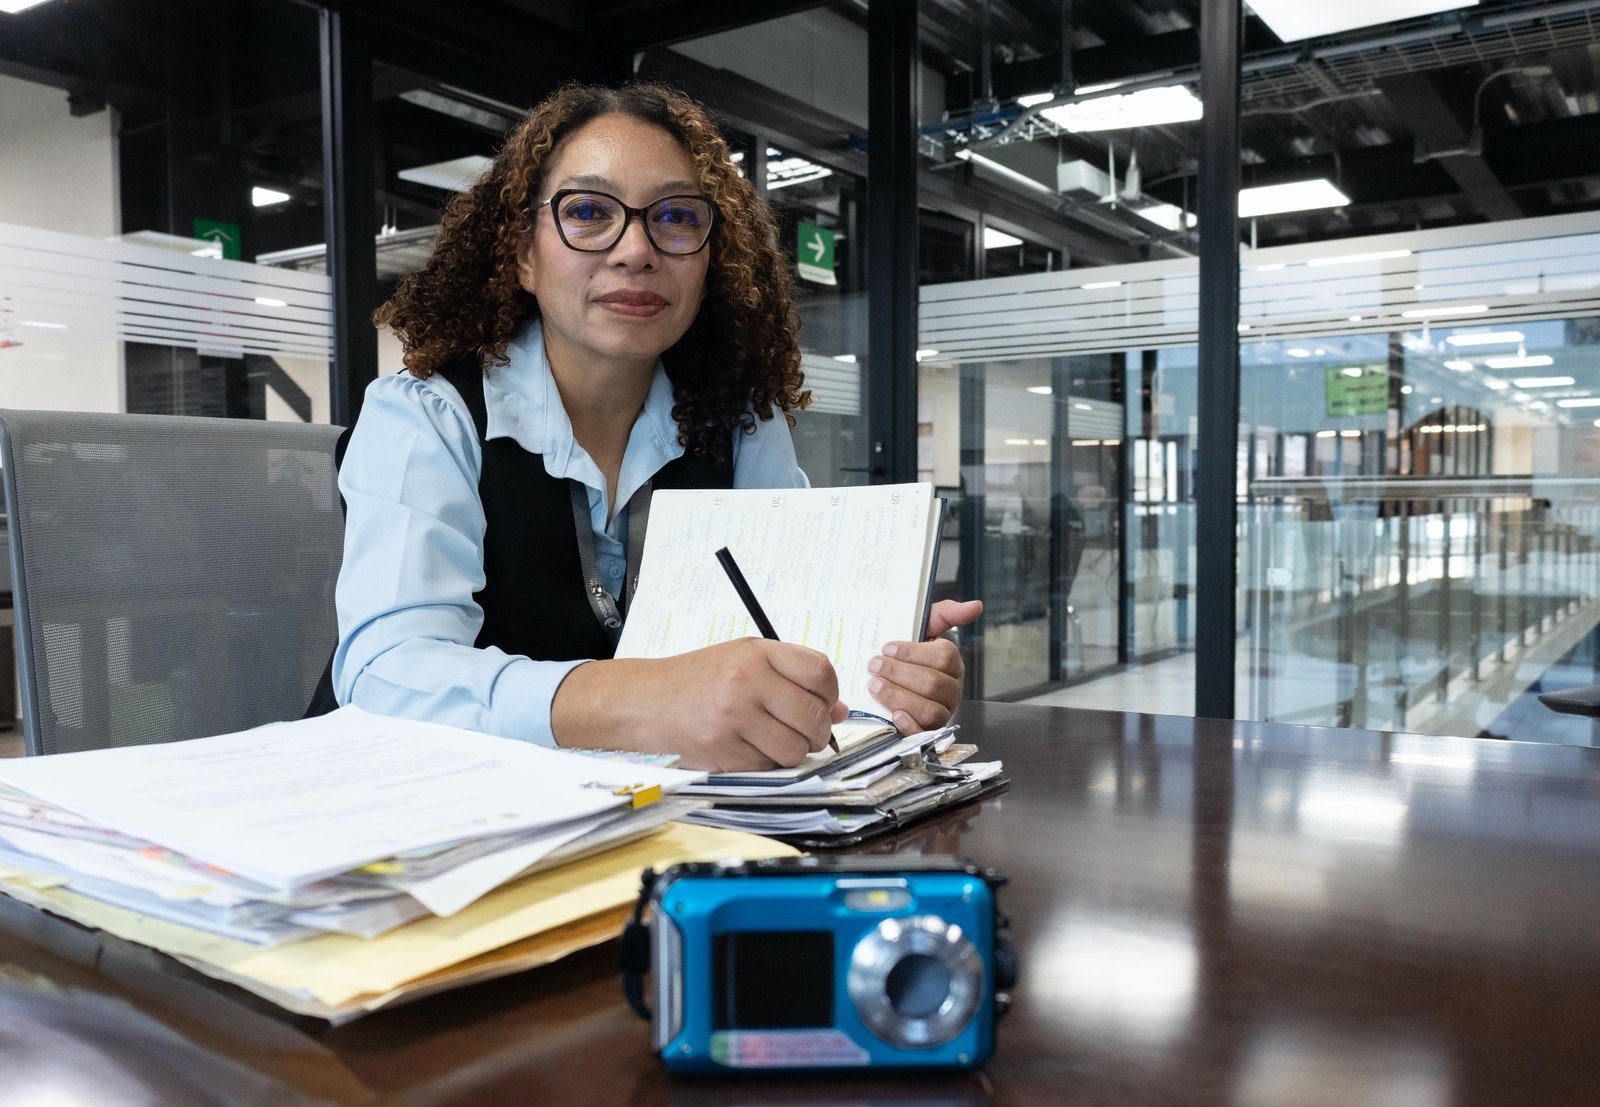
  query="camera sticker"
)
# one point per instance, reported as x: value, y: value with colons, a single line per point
x: 786, y: 1049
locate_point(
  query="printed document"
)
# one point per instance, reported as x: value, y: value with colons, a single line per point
x: 289, y: 804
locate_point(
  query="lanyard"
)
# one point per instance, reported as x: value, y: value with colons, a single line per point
x: 601, y: 602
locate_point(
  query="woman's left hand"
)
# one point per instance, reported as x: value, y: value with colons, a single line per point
x: 920, y: 682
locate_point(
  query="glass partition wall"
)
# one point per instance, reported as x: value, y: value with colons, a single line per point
x: 1418, y: 453
x: 1418, y: 474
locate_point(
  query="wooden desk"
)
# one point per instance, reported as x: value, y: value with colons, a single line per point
x: 1205, y: 913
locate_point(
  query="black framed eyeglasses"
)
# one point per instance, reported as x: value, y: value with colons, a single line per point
x: 593, y: 221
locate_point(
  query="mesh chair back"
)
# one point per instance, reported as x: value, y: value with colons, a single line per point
x: 173, y: 576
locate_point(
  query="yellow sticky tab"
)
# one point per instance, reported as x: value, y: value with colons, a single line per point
x: 382, y: 868
x: 644, y: 797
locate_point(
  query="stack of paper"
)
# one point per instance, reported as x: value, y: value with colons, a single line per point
x: 351, y: 823
x: 274, y: 857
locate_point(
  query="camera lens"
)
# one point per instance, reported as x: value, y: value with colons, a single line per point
x: 916, y: 982
x: 917, y: 985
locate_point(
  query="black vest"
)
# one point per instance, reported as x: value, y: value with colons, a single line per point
x: 533, y: 598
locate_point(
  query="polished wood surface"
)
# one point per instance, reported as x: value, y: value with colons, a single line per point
x: 1204, y: 912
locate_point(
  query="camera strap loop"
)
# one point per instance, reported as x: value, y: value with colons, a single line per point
x: 635, y: 949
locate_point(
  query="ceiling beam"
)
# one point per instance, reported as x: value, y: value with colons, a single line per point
x: 1436, y: 127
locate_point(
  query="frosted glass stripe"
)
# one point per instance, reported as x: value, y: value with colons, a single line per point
x: 1528, y: 269
x: 147, y: 294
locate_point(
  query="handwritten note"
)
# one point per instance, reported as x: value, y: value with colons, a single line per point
x: 841, y: 570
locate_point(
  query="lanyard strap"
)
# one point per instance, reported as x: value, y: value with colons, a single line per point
x: 601, y: 602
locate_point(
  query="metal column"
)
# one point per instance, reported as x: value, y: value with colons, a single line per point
x: 891, y: 384
x: 350, y: 210
x: 1216, y: 507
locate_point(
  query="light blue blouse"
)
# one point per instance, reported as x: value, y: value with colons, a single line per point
x: 413, y: 549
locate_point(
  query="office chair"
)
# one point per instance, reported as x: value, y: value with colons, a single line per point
x: 173, y: 576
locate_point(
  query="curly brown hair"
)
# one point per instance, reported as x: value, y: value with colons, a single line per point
x: 741, y: 353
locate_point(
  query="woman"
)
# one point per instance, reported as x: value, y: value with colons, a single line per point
x: 605, y: 311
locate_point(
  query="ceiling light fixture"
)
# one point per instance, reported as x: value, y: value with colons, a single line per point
x: 1535, y: 361
x: 1485, y: 338
x: 995, y: 240
x: 1585, y: 401
x: 1543, y: 382
x: 1100, y: 284
x: 1033, y: 98
x: 1294, y: 20
x: 1290, y: 196
x: 783, y: 172
x: 848, y: 359
x: 1148, y: 107
x: 12, y: 7
x: 266, y: 197
x: 455, y: 175
x: 1041, y: 389
x: 1460, y: 365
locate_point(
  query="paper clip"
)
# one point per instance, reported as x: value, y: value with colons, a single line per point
x: 927, y: 761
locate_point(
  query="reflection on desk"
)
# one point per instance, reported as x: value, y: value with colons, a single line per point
x: 1206, y: 913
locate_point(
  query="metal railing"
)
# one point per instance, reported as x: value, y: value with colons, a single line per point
x: 1413, y: 602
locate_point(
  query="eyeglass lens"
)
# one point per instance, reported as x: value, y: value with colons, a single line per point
x: 595, y: 221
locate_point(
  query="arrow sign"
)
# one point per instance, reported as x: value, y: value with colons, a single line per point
x: 814, y: 253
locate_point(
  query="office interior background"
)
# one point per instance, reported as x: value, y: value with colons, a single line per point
x: 1416, y: 347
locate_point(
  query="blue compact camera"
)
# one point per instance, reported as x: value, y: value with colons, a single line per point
x: 821, y: 962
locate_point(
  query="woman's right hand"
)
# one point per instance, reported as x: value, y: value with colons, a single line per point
x: 746, y: 704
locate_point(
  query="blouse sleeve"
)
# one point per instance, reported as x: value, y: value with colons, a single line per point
x: 413, y: 558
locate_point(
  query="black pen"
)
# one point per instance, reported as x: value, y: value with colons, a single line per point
x: 753, y: 606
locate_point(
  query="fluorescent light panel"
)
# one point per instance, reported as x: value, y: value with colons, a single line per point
x: 266, y: 197
x: 1291, y: 196
x: 1486, y: 338
x: 1535, y: 361
x: 1295, y: 20
x: 994, y: 240
x: 1149, y: 107
x: 1587, y: 401
x: 1543, y: 382
x: 456, y: 175
x: 12, y: 7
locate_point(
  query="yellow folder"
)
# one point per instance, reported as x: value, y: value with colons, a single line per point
x: 529, y: 922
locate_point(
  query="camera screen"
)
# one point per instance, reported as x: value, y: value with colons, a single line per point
x: 778, y: 979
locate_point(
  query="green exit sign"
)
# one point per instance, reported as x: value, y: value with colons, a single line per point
x: 813, y: 251
x: 1357, y: 390
x: 225, y: 235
